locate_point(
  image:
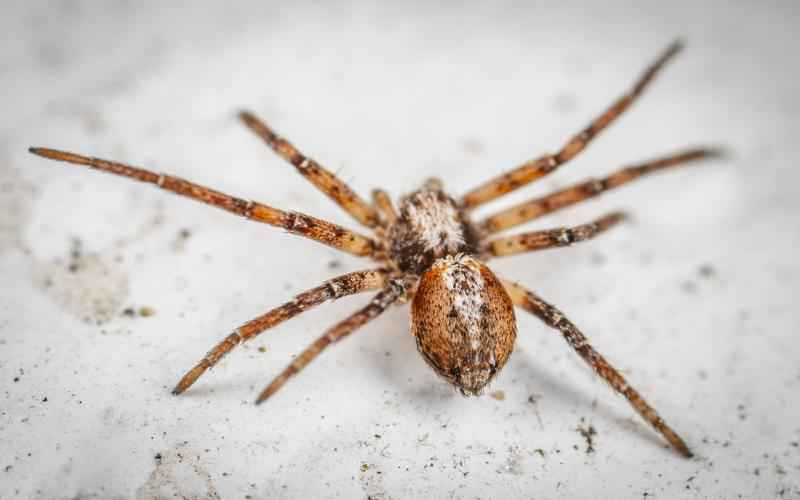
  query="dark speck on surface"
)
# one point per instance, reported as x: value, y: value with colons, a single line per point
x: 706, y: 271
x: 588, y: 434
x: 334, y: 264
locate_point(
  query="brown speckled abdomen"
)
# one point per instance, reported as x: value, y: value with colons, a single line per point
x: 463, y: 321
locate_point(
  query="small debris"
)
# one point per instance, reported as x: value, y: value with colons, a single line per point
x: 364, y: 467
x: 498, y: 395
x: 146, y: 311
x: 262, y: 348
x: 334, y: 264
x: 706, y: 271
x: 129, y: 312
x: 588, y: 434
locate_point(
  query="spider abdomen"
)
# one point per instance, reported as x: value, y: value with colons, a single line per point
x: 463, y: 321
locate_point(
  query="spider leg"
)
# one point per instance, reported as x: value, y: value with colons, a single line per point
x: 589, y: 188
x: 304, y: 225
x: 551, y: 238
x: 341, y: 286
x: 318, y: 175
x: 389, y: 295
x: 539, y: 167
x: 384, y: 205
x: 554, y: 318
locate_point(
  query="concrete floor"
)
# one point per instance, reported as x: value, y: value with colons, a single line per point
x: 694, y: 300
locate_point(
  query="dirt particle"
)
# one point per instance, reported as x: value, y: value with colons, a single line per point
x: 129, y: 312
x: 498, y: 395
x: 334, y: 264
x: 262, y: 348
x: 179, y: 244
x: 588, y: 434
x: 706, y: 271
x: 146, y: 311
x: 364, y: 467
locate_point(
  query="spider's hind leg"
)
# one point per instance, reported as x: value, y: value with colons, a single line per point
x: 386, y: 297
x: 340, y: 286
x: 554, y: 318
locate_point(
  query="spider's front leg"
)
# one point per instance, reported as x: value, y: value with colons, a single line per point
x: 554, y: 318
x: 544, y: 165
x: 537, y: 207
x: 320, y: 230
x: 552, y: 238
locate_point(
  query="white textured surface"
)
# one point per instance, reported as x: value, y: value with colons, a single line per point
x: 696, y: 300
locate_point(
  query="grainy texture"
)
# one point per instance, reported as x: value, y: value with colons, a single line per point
x: 706, y: 273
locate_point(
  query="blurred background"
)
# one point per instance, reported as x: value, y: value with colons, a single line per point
x: 111, y: 289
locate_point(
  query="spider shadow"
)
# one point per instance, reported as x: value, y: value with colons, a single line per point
x: 548, y: 386
x: 405, y: 370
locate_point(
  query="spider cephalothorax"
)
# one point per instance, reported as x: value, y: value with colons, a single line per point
x: 429, y: 226
x: 429, y: 251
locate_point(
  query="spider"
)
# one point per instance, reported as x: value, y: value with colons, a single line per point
x: 431, y: 252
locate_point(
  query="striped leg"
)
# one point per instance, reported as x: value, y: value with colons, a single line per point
x: 304, y: 225
x: 554, y: 318
x: 534, y: 169
x: 318, y: 175
x: 383, y: 203
x: 380, y: 303
x: 590, y: 188
x: 341, y: 286
x: 551, y: 238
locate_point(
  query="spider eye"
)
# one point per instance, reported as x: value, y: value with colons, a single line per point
x: 463, y: 321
